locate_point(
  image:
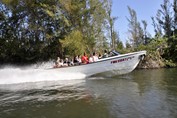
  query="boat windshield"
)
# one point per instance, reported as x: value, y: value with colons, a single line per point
x: 115, y: 53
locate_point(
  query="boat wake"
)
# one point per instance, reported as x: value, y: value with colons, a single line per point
x: 15, y: 75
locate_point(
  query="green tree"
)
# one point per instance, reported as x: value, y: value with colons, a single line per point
x: 118, y: 43
x: 135, y: 30
x: 175, y: 16
x: 73, y: 44
x: 110, y: 25
x: 157, y: 28
x: 88, y: 17
x: 34, y: 30
x: 146, y: 35
x: 33, y: 26
x: 164, y: 18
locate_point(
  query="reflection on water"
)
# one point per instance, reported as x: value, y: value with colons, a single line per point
x: 140, y: 94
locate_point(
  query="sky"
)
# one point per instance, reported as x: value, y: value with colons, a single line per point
x: 145, y: 9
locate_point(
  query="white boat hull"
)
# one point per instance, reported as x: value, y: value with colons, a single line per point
x: 120, y: 64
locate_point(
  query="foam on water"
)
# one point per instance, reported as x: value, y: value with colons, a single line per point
x: 34, y: 73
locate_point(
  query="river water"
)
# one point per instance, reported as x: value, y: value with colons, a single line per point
x: 37, y: 93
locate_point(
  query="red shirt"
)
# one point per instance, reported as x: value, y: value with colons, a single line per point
x: 84, y: 59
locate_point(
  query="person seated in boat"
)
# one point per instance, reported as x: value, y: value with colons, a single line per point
x: 95, y: 57
x: 77, y: 60
x: 84, y: 59
x: 110, y: 54
x: 58, y: 59
x: 91, y: 58
x: 105, y: 55
x: 99, y: 56
x: 71, y: 62
x: 58, y: 63
x: 61, y: 63
x: 66, y: 62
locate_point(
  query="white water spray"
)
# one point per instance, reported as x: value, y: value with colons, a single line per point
x: 35, y: 73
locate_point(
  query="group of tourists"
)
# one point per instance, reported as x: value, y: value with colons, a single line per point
x: 77, y: 60
x: 62, y: 63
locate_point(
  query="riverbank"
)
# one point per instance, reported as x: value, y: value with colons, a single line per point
x: 150, y: 62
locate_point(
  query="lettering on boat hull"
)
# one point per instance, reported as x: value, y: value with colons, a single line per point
x: 121, y: 60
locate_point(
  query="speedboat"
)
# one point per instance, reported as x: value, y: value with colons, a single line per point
x: 117, y: 64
